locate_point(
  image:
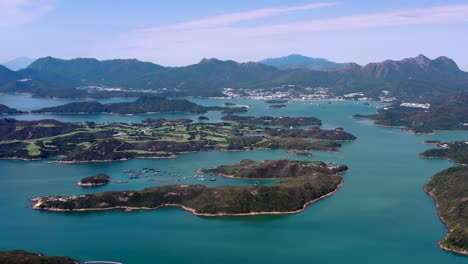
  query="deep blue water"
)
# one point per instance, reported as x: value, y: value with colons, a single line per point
x: 380, y: 215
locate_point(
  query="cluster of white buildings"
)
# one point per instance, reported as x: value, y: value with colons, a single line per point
x: 416, y: 105
x: 285, y: 91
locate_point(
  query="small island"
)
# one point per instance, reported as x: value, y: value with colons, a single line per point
x: 273, y: 121
x: 449, y: 188
x: 145, y: 104
x: 24, y: 257
x: 93, y: 181
x: 276, y: 101
x: 203, y: 118
x: 300, y: 183
x: 5, y: 110
x: 277, y: 106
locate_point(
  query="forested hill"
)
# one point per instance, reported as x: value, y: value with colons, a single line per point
x: 409, y: 78
x: 443, y: 114
x: 8, y: 110
x: 145, y: 104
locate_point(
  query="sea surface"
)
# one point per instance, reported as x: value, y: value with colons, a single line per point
x: 380, y: 215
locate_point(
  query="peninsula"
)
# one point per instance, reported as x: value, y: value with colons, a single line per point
x: 456, y: 151
x: 449, y: 188
x: 448, y: 114
x: 300, y: 184
x: 23, y: 257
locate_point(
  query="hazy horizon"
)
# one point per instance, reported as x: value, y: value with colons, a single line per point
x: 396, y: 59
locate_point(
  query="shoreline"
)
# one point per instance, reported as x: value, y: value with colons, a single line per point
x: 116, y: 160
x: 38, y: 201
x: 441, y: 158
x: 405, y: 128
x: 200, y: 171
x: 90, y: 184
x: 439, y: 243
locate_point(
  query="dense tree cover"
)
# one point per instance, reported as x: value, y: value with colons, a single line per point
x: 449, y: 114
x: 450, y: 190
x: 277, y: 106
x: 12, y: 129
x: 301, y: 182
x: 203, y: 118
x: 23, y: 257
x: 297, y: 61
x: 145, y: 104
x: 274, y: 169
x: 312, y: 132
x: 96, y: 180
x: 412, y: 79
x: 276, y: 101
x: 455, y: 151
x: 274, y: 121
x: 90, y: 71
x: 7, y: 110
x: 75, y: 107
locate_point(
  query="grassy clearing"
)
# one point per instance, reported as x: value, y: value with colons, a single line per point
x: 33, y: 150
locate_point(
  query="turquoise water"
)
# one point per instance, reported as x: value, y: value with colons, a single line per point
x: 381, y: 214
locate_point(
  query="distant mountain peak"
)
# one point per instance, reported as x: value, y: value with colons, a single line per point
x: 210, y: 60
x: 18, y: 63
x: 419, y: 67
x: 298, y: 61
x: 422, y: 60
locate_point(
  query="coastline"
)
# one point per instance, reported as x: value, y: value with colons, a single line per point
x: 38, y: 201
x: 116, y: 160
x: 449, y: 159
x: 405, y: 128
x: 90, y: 184
x: 23, y: 159
x: 439, y: 243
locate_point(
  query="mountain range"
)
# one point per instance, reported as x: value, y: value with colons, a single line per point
x: 409, y: 78
x: 297, y: 61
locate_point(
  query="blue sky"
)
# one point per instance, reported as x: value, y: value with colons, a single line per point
x: 183, y: 32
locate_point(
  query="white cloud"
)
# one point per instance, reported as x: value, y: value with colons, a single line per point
x: 232, y: 18
x: 416, y: 16
x: 220, y: 36
x: 18, y: 12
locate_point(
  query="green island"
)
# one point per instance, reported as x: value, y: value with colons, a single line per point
x: 300, y: 183
x: 5, y: 110
x: 145, y: 104
x: 448, y: 114
x: 449, y: 188
x: 276, y: 101
x: 152, y: 138
x: 273, y: 121
x: 24, y: 257
x: 277, y: 106
x: 96, y: 180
